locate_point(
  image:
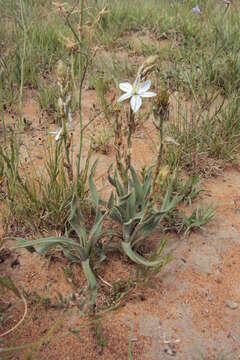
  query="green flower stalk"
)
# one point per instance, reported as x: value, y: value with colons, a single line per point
x: 64, y: 106
x: 161, y: 115
x: 118, y: 144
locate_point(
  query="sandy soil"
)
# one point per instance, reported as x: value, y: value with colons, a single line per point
x: 190, y: 308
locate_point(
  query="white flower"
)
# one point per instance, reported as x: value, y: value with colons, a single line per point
x: 196, y: 10
x: 136, y: 92
x: 57, y: 133
x: 69, y: 120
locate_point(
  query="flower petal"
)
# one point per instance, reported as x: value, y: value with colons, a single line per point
x: 148, y: 94
x: 145, y: 87
x: 126, y: 87
x: 69, y: 116
x: 196, y: 10
x: 58, y: 134
x: 136, y: 103
x: 125, y: 97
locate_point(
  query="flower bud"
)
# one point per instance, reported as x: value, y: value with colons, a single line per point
x: 61, y: 72
x: 61, y: 105
x: 68, y: 100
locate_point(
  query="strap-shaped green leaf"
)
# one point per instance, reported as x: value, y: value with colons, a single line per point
x: 137, y: 185
x: 77, y: 221
x: 116, y: 215
x: 122, y: 199
x: 131, y: 205
x: 44, y: 244
x: 169, y: 204
x: 110, y: 202
x: 94, y: 233
x: 147, y: 185
x: 92, y: 283
x: 42, y: 241
x: 151, y: 222
x: 128, y: 228
x: 119, y: 187
x: 83, y: 235
x: 72, y: 257
x: 138, y: 259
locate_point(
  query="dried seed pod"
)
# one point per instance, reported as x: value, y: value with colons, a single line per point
x: 60, y: 7
x: 71, y: 45
x: 161, y: 107
x: 163, y: 174
x: 147, y: 67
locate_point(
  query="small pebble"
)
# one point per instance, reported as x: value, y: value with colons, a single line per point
x: 231, y: 304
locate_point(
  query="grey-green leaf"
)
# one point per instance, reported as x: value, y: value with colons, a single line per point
x: 137, y: 185
x: 138, y: 259
x: 92, y: 283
